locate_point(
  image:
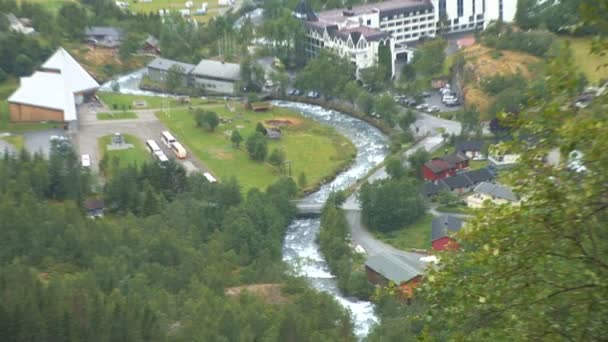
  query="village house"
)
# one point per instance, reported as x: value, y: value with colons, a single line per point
x: 460, y: 183
x: 442, y: 230
x: 159, y: 68
x: 492, y: 192
x: 151, y: 45
x: 473, y: 149
x: 404, y: 270
x: 94, y: 207
x: 216, y: 76
x: 445, y: 166
x: 104, y: 36
x: 54, y: 92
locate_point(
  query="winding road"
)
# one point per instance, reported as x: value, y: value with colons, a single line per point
x: 428, y: 125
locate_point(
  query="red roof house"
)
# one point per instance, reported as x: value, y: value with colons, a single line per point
x: 442, y: 167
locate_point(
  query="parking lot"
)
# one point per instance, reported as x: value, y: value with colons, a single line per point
x: 40, y: 141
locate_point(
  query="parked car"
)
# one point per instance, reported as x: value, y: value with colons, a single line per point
x: 85, y: 160
x: 425, y: 94
x: 433, y: 109
x: 412, y: 102
x: 422, y: 106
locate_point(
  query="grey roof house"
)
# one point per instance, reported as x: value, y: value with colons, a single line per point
x: 495, y: 193
x: 104, y: 36
x: 443, y: 226
x: 159, y: 68
x: 397, y: 268
x: 216, y: 76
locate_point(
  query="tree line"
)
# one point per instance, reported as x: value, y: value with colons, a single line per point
x: 157, y: 275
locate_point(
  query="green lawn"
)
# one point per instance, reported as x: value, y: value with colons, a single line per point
x: 116, y: 116
x: 586, y: 62
x: 316, y: 150
x: 174, y: 5
x: 122, y: 101
x: 136, y: 155
x: 417, y: 235
x: 460, y: 209
x: 51, y: 5
x: 15, y: 140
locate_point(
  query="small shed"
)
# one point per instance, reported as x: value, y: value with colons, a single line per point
x: 94, y: 207
x: 260, y: 106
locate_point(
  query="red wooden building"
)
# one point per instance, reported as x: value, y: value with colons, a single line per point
x: 446, y: 166
x: 442, y: 229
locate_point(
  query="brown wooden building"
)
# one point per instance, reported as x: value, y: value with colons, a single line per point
x: 52, y: 93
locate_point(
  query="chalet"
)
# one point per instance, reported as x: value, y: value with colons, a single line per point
x: 54, y: 92
x: 494, y: 193
x: 442, y: 229
x: 216, y: 77
x: 445, y: 166
x: 104, y: 36
x: 471, y: 148
x: 458, y: 183
x: 159, y: 68
x: 151, y: 45
x: 404, y: 269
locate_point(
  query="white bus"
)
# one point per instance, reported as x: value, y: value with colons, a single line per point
x: 167, y: 138
x: 152, y: 146
x: 160, y: 155
x: 209, y: 177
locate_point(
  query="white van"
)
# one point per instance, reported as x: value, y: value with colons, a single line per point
x: 167, y: 138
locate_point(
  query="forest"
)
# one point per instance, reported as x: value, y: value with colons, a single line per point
x: 157, y: 268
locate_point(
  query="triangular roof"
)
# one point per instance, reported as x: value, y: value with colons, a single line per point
x: 444, y: 226
x: 75, y: 76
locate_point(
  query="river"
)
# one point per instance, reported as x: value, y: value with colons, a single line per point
x: 300, y: 249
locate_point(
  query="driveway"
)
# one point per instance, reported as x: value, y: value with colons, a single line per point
x: 40, y: 141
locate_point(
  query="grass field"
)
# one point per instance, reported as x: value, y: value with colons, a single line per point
x: 174, y: 5
x: 136, y: 155
x: 116, y: 116
x: 416, y: 235
x: 124, y: 101
x: 15, y: 140
x: 585, y: 61
x: 51, y: 5
x: 316, y: 150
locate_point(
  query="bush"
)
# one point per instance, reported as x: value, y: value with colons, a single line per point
x: 536, y: 43
x: 498, y: 83
x: 3, y: 75
x: 257, y: 146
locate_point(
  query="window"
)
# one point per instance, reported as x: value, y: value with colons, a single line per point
x: 369, y: 22
x: 442, y: 8
x: 460, y: 4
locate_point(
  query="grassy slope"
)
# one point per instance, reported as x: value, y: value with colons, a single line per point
x: 316, y: 150
x: 174, y: 5
x: 16, y: 140
x: 481, y: 65
x: 416, y: 235
x: 137, y: 155
x: 586, y: 62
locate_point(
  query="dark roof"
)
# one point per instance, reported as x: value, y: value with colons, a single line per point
x: 457, y: 182
x: 480, y: 175
x: 152, y: 41
x: 455, y: 158
x: 444, y: 226
x: 469, y: 145
x: 446, y: 162
x: 103, y: 31
x: 430, y: 188
x: 93, y: 204
x: 304, y: 11
x: 397, y: 268
x: 370, y: 34
x: 166, y: 64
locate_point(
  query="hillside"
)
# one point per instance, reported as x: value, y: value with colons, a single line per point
x: 483, y: 62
